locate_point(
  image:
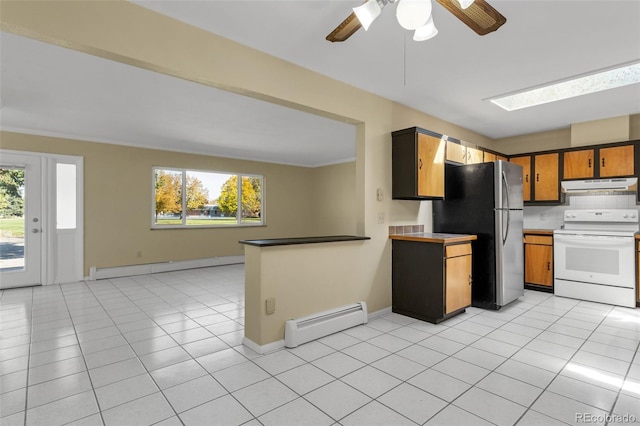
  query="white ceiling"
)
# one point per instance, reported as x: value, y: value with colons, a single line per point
x: 51, y: 90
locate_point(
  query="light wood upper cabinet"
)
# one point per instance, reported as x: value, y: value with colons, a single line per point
x: 456, y: 152
x: 489, y: 157
x: 540, y: 177
x: 459, y: 153
x: 525, y: 162
x: 430, y: 166
x: 579, y: 164
x: 617, y: 161
x: 474, y: 155
x: 546, y: 183
x: 612, y: 162
x: 417, y: 165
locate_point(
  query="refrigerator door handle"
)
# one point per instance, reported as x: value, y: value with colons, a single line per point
x: 506, y: 186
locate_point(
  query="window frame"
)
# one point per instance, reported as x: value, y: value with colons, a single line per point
x: 184, y: 172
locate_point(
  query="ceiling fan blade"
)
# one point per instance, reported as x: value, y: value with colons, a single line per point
x: 345, y: 29
x: 481, y: 17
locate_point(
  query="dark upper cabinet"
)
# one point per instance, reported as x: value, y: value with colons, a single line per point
x: 540, y: 177
x: 605, y: 162
x: 417, y: 165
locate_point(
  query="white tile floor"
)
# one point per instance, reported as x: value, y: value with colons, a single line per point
x: 166, y: 349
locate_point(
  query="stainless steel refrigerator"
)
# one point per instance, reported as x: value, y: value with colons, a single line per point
x: 486, y: 200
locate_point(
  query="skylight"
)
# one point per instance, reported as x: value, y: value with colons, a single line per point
x: 604, y: 80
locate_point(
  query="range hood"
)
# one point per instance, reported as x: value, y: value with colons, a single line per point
x: 592, y: 185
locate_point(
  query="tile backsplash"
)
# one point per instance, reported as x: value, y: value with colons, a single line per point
x: 551, y: 217
x: 405, y: 229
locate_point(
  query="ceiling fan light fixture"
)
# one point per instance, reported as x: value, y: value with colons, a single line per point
x: 413, y: 14
x: 367, y: 13
x: 465, y: 3
x: 426, y: 31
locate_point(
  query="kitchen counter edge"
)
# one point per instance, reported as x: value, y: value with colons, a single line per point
x: 270, y: 242
x: 427, y: 237
x: 538, y: 231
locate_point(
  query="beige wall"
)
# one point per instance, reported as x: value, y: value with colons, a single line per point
x: 332, y: 190
x: 118, y: 201
x: 634, y: 127
x: 555, y: 139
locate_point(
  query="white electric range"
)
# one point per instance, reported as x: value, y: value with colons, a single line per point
x: 594, y: 256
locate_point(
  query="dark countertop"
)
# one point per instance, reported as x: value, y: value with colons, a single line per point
x: 302, y: 240
x: 428, y: 237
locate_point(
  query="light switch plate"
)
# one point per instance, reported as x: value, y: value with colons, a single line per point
x: 270, y: 305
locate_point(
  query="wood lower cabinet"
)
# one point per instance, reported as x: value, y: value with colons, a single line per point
x: 538, y: 262
x: 430, y: 281
x: 638, y: 272
x: 457, y: 282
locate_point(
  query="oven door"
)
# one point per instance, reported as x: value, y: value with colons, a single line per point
x: 597, y: 259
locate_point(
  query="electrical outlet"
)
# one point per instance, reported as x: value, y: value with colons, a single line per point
x: 543, y: 216
x: 379, y: 194
x: 380, y: 217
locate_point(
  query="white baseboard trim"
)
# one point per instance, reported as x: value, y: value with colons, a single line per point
x: 150, y: 268
x: 378, y: 314
x: 264, y: 349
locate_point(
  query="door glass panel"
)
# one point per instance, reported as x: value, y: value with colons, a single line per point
x: 12, y: 218
x: 66, y: 196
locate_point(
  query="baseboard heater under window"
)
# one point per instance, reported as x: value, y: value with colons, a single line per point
x: 312, y: 327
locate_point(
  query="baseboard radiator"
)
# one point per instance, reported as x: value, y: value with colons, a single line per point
x: 312, y: 327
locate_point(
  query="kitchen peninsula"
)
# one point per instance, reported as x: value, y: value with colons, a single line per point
x: 296, y: 277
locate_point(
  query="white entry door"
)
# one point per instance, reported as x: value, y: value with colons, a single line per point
x: 20, y: 220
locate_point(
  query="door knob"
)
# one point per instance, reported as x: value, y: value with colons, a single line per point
x: 35, y: 230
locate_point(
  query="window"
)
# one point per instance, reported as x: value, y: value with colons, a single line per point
x: 65, y: 196
x: 186, y: 198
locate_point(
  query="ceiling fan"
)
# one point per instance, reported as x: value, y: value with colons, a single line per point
x: 478, y: 15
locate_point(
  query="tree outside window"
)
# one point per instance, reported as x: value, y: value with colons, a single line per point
x: 212, y: 199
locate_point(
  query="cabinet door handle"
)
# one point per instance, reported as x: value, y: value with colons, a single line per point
x: 537, y: 177
x: 420, y: 164
x: 470, y: 279
x: 526, y: 178
x: 602, y: 161
x: 589, y: 163
x: 548, y: 266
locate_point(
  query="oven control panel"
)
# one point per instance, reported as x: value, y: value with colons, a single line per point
x: 602, y: 215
